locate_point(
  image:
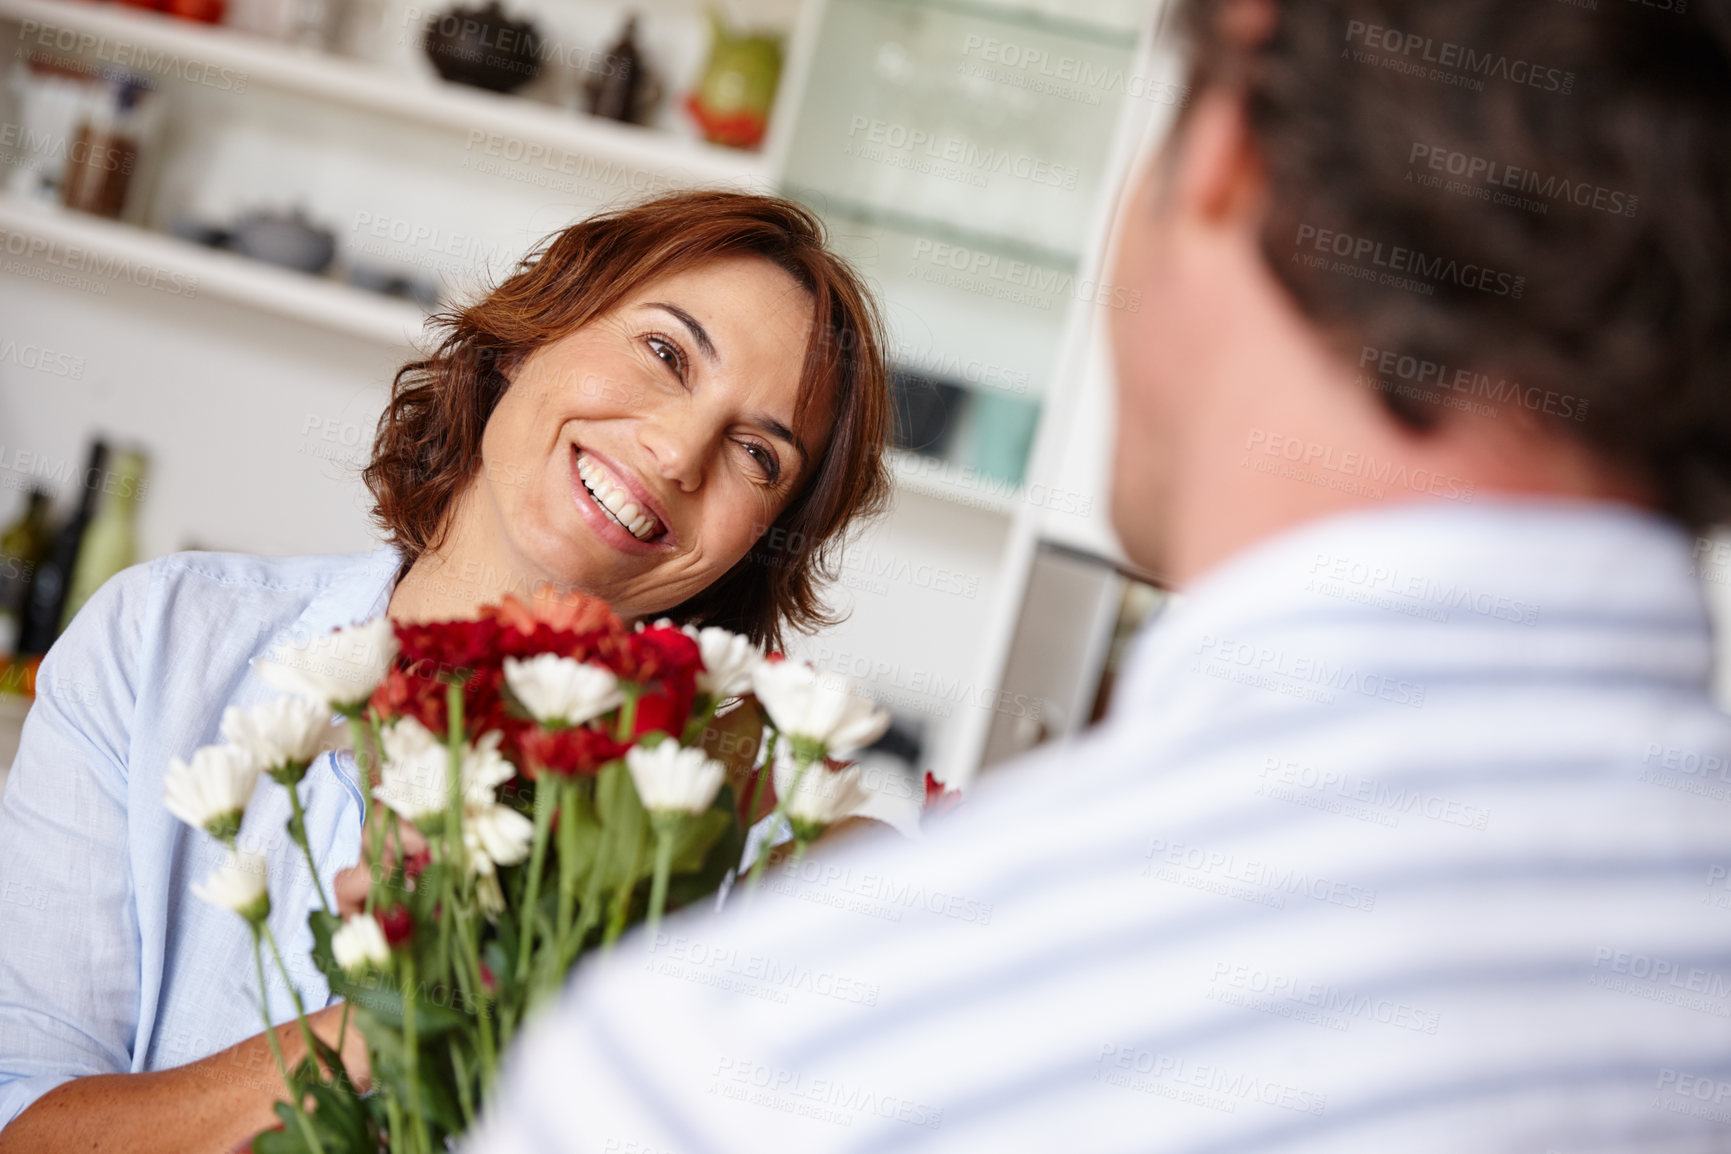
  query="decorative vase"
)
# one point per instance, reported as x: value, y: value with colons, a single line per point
x: 732, y: 99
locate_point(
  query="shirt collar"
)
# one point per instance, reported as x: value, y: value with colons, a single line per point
x: 1482, y: 585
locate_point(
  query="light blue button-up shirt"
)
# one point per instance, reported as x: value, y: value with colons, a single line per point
x: 108, y: 963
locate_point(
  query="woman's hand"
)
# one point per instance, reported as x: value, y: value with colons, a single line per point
x: 351, y: 885
x: 205, y: 1107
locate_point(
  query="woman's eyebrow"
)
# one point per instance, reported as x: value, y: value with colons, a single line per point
x: 698, y: 332
x: 780, y: 431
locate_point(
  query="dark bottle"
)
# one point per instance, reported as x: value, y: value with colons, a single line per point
x: 619, y: 92
x: 54, y: 576
x: 22, y: 548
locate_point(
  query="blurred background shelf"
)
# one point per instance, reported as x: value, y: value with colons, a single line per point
x: 839, y: 209
x: 962, y: 152
x: 98, y: 250
x: 1110, y: 23
x: 964, y: 488
x: 327, y: 78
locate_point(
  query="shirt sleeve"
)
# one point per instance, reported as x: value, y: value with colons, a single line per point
x: 69, y: 942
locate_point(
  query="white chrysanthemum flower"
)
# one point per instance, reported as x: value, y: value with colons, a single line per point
x: 338, y: 669
x: 238, y: 885
x: 283, y: 735
x: 495, y: 835
x: 413, y: 780
x: 489, y: 895
x: 823, y: 797
x: 560, y: 690
x: 359, y: 945
x: 822, y: 711
x: 674, y: 780
x: 729, y: 661
x: 485, y: 769
x: 211, y: 791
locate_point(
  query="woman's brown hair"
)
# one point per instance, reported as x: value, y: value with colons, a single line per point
x: 428, y: 444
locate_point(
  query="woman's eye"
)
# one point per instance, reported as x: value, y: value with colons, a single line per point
x: 765, y: 460
x: 668, y: 353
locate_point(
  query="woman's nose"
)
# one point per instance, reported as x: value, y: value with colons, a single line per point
x: 679, y: 444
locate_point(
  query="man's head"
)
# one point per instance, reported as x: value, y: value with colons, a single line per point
x: 1483, y: 243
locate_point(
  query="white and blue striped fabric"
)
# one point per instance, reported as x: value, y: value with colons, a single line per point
x: 1409, y: 831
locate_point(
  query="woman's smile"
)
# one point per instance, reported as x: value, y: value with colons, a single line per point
x: 618, y: 505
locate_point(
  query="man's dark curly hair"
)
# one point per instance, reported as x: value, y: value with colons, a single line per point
x: 1573, y: 161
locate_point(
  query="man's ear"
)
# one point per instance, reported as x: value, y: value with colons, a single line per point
x: 1218, y: 174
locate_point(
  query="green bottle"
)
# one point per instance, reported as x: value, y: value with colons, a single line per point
x: 111, y: 542
x: 22, y: 547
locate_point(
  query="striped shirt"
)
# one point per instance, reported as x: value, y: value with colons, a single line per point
x: 1408, y: 831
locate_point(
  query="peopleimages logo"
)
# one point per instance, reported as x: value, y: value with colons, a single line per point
x: 1416, y: 49
x: 1400, y: 259
x: 1496, y: 175
x: 1469, y: 382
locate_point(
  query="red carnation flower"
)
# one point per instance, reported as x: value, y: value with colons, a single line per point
x: 396, y: 924
x: 579, y: 749
x: 564, y: 613
x: 442, y: 648
x: 667, y: 661
x: 404, y: 693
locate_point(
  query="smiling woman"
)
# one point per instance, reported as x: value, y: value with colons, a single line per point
x: 629, y: 412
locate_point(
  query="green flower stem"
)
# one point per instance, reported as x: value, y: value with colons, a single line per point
x: 306, y: 1124
x: 465, y: 1099
x: 394, y: 1120
x: 300, y: 1007
x: 454, y: 805
x: 763, y: 777
x: 412, y: 1057
x: 622, y: 895
x: 628, y: 710
x: 802, y: 762
x: 476, y: 989
x: 298, y: 831
x: 703, y: 712
x: 376, y: 843
x: 666, y: 826
x: 569, y: 797
x: 546, y: 798
x: 591, y: 910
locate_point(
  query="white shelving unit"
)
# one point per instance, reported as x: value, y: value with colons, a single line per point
x: 85, y: 241
x: 312, y: 419
x: 331, y: 79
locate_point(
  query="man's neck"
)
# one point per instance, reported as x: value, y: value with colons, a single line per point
x: 1287, y: 431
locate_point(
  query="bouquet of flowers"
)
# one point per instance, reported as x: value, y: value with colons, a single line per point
x: 543, y: 783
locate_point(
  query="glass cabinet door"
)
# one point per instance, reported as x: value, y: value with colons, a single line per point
x: 957, y: 150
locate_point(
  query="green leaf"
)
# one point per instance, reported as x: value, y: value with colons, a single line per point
x: 723, y: 855
x: 696, y: 835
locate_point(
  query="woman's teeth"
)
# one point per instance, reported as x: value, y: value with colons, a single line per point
x: 640, y: 523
